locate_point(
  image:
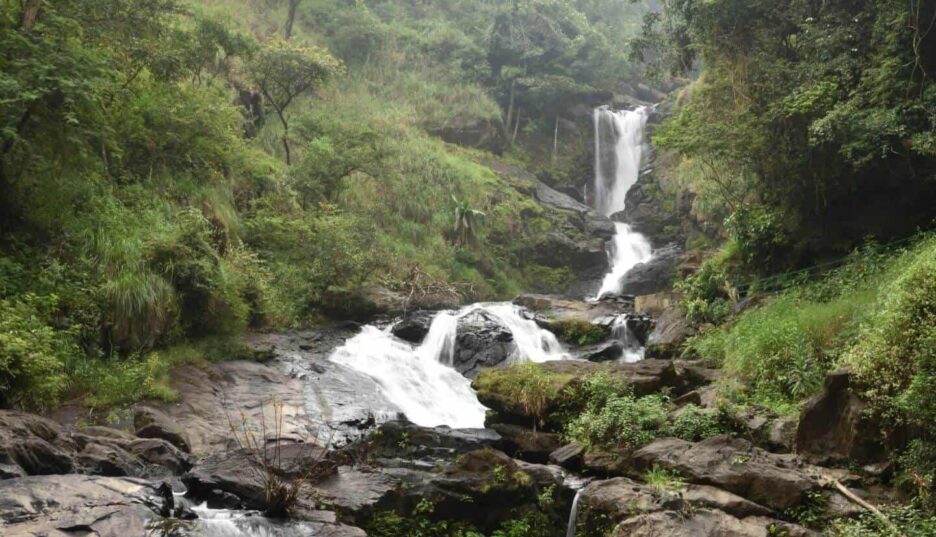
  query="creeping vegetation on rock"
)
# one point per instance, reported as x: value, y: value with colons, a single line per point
x: 580, y: 332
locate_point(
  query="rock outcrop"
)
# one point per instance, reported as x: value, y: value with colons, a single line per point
x: 732, y: 464
x: 646, y: 377
x: 833, y: 426
x: 623, y: 507
x: 33, y: 445
x: 77, y: 504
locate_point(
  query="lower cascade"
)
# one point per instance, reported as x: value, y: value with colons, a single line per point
x: 420, y: 380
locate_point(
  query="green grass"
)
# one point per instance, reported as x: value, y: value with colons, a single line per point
x: 664, y: 481
x: 780, y: 352
x: 875, y: 315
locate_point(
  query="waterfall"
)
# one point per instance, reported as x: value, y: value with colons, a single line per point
x: 532, y: 343
x: 618, y: 148
x: 573, y: 514
x: 420, y: 380
x: 633, y: 350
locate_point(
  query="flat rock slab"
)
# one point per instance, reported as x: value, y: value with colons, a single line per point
x: 732, y: 464
x: 703, y: 523
x: 69, y: 504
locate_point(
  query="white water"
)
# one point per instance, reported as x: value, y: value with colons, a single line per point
x: 633, y: 350
x: 573, y: 514
x: 618, y: 151
x: 228, y: 523
x: 426, y: 390
x: 420, y: 379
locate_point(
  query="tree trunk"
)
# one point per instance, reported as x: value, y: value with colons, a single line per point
x: 30, y: 13
x: 510, y: 110
x: 290, y: 18
x: 516, y: 129
x: 286, y: 147
x: 556, y: 139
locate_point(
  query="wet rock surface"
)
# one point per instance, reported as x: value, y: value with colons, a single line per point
x: 654, y: 276
x: 481, y: 342
x: 413, y: 327
x: 525, y: 444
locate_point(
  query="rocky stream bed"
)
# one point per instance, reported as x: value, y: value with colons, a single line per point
x: 183, y: 468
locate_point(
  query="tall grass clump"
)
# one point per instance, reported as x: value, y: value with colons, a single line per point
x: 141, y: 309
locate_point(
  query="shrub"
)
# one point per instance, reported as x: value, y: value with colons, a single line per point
x: 707, y: 295
x: 664, y: 481
x: 759, y: 235
x: 614, y: 418
x: 532, y: 390
x: 694, y: 424
x: 33, y: 354
x: 909, y: 521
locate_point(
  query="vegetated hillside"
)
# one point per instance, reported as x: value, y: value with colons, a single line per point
x: 808, y: 135
x: 811, y: 125
x: 147, y: 199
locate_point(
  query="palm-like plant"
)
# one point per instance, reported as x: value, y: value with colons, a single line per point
x: 466, y: 222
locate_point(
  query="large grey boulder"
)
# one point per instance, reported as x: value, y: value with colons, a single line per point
x: 414, y: 326
x: 152, y: 423
x: 33, y: 445
x: 732, y: 464
x: 833, y: 425
x: 654, y: 276
x: 704, y: 523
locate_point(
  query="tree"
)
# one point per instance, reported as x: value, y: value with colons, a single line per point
x: 283, y: 70
x: 290, y: 18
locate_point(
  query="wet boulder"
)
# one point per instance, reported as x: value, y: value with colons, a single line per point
x: 403, y: 439
x: 33, y: 445
x: 243, y: 473
x: 481, y: 342
x: 601, y: 352
x: 413, y: 327
x: 526, y: 444
x: 559, y: 250
x: 671, y: 331
x: 657, y: 274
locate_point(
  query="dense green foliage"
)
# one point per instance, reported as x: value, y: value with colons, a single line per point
x: 146, y: 191
x: 875, y: 315
x: 806, y: 116
x: 613, y: 417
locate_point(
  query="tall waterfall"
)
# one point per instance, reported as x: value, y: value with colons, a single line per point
x: 420, y: 380
x: 618, y: 148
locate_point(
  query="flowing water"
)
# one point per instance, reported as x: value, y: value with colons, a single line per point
x: 420, y: 380
x: 633, y: 350
x: 618, y: 151
x: 229, y: 523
